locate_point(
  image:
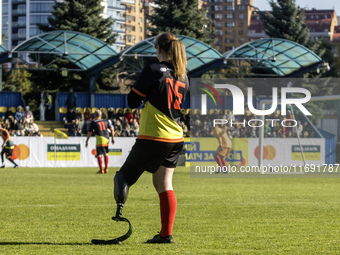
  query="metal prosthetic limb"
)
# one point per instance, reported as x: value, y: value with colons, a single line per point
x: 121, y: 189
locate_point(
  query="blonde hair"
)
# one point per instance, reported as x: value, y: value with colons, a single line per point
x: 97, y: 113
x: 175, y: 52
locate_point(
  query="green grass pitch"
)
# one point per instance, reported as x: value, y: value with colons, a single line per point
x: 59, y: 211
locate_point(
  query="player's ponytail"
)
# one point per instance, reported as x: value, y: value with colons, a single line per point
x: 175, y: 51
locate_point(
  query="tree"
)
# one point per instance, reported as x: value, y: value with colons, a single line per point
x: 182, y: 17
x: 17, y: 79
x: 286, y: 21
x: 83, y: 16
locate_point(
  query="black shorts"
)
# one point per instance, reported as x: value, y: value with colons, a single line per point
x: 102, y: 150
x: 7, y: 151
x: 148, y: 155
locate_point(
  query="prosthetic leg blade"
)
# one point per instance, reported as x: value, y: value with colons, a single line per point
x: 117, y: 240
x: 112, y: 241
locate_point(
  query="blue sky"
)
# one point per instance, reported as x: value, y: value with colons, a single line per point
x: 319, y: 4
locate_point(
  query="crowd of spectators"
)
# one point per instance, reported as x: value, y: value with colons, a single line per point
x: 125, y: 122
x: 202, y: 125
x: 20, y: 122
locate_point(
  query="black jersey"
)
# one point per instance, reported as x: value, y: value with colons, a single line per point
x: 100, y: 128
x: 164, y: 96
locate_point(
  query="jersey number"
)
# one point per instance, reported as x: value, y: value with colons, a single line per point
x: 174, y: 93
x: 101, y: 126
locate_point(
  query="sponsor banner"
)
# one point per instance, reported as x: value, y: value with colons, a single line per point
x: 286, y: 151
x: 311, y: 152
x: 204, y: 149
x: 245, y: 151
x: 39, y: 151
x: 71, y: 152
x: 62, y: 152
x: 115, y: 152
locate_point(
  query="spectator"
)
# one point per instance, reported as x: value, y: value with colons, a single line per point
x: 305, y: 134
x: 110, y: 114
x: 136, y: 115
x: 87, y: 120
x: 120, y: 114
x: 19, y: 117
x: 28, y: 115
x: 118, y: 128
x: 42, y: 106
x: 14, y: 128
x: 205, y: 131
x: 39, y: 134
x: 134, y: 128
x: 75, y: 129
x: 34, y: 128
x: 27, y: 129
x: 9, y: 114
x: 69, y: 117
x: 79, y: 114
x: 49, y: 107
x: 185, y: 129
x: 288, y: 123
x: 128, y: 115
x: 126, y: 128
x: 71, y: 100
x: 87, y: 114
x: 31, y: 129
x: 267, y: 131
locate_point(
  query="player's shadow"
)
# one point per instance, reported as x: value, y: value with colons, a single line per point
x: 44, y: 243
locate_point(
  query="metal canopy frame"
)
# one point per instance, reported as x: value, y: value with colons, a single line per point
x: 282, y: 57
x: 200, y: 56
x: 82, y: 50
x: 276, y: 57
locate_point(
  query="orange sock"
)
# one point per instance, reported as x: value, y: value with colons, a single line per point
x: 219, y: 161
x: 100, y: 163
x: 106, y: 161
x: 168, y: 206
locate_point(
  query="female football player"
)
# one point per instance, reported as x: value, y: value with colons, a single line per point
x: 162, y: 87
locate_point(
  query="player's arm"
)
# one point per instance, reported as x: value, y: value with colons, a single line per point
x: 135, y: 98
x: 141, y: 88
x: 87, y: 138
x: 112, y: 130
x: 113, y: 136
x: 90, y: 132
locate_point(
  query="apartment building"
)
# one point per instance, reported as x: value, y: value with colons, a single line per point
x: 321, y: 24
x: 116, y: 10
x: 134, y: 21
x: 20, y: 19
x: 232, y: 18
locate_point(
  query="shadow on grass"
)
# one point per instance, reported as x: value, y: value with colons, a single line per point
x: 44, y: 243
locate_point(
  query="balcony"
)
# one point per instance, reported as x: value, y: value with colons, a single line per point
x: 18, y: 36
x: 18, y: 24
x: 127, y: 2
x: 18, y: 1
x: 19, y: 12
